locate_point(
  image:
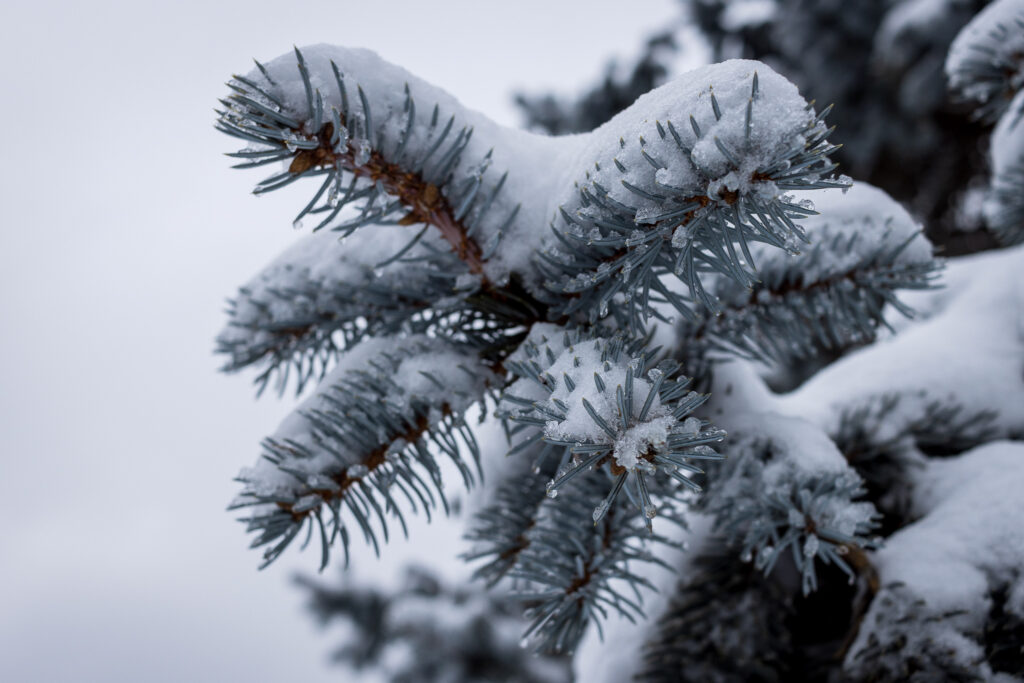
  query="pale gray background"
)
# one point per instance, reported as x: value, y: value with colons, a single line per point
x: 122, y: 230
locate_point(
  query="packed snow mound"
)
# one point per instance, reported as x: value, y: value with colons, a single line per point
x: 941, y: 574
x: 969, y: 352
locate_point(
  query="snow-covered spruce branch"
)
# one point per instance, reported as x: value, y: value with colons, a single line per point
x: 680, y: 188
x: 985, y: 67
x: 612, y: 422
x: 985, y: 64
x: 304, y: 114
x: 951, y: 590
x: 922, y: 375
x: 786, y: 490
x: 366, y: 435
x: 692, y: 173
x: 575, y: 567
x: 689, y: 197
x: 601, y: 402
x: 863, y: 249
x: 882, y: 455
x: 290, y: 316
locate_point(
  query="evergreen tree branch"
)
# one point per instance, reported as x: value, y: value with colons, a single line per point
x: 864, y: 248
x: 365, y: 435
x: 786, y: 489
x: 575, y: 569
x: 601, y: 402
x: 326, y: 294
x: 500, y: 531
x: 688, y: 197
x: 985, y: 64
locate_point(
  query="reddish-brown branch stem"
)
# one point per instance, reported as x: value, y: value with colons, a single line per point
x: 371, y: 461
x: 424, y: 200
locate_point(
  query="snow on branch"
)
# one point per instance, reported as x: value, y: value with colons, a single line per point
x: 325, y: 294
x: 786, y: 491
x: 985, y: 64
x: 602, y: 403
x: 952, y: 596
x: 681, y: 182
x: 373, y: 426
x: 1004, y: 206
x: 575, y: 569
x: 387, y: 143
x: 962, y: 354
x: 864, y: 248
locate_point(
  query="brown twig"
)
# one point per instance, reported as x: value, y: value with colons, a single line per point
x: 424, y: 200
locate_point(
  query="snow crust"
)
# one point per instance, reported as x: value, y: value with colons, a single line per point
x: 798, y: 446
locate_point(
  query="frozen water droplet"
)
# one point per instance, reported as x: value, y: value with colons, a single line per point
x: 599, y: 511
x: 363, y: 151
x: 650, y: 511
x: 746, y: 555
x: 552, y: 493
x: 811, y: 547
x: 296, y: 224
x: 646, y: 467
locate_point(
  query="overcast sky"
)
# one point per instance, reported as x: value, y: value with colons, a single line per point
x: 122, y: 231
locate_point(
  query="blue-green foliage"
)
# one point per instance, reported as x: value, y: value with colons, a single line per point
x: 986, y: 69
x: 786, y: 490
x: 568, y: 570
x: 297, y: 316
x: 787, y: 315
x: 648, y: 397
x: 359, y: 442
x: 405, y: 342
x: 342, y: 144
x: 610, y: 247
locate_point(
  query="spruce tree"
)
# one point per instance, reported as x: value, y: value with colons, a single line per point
x: 755, y: 428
